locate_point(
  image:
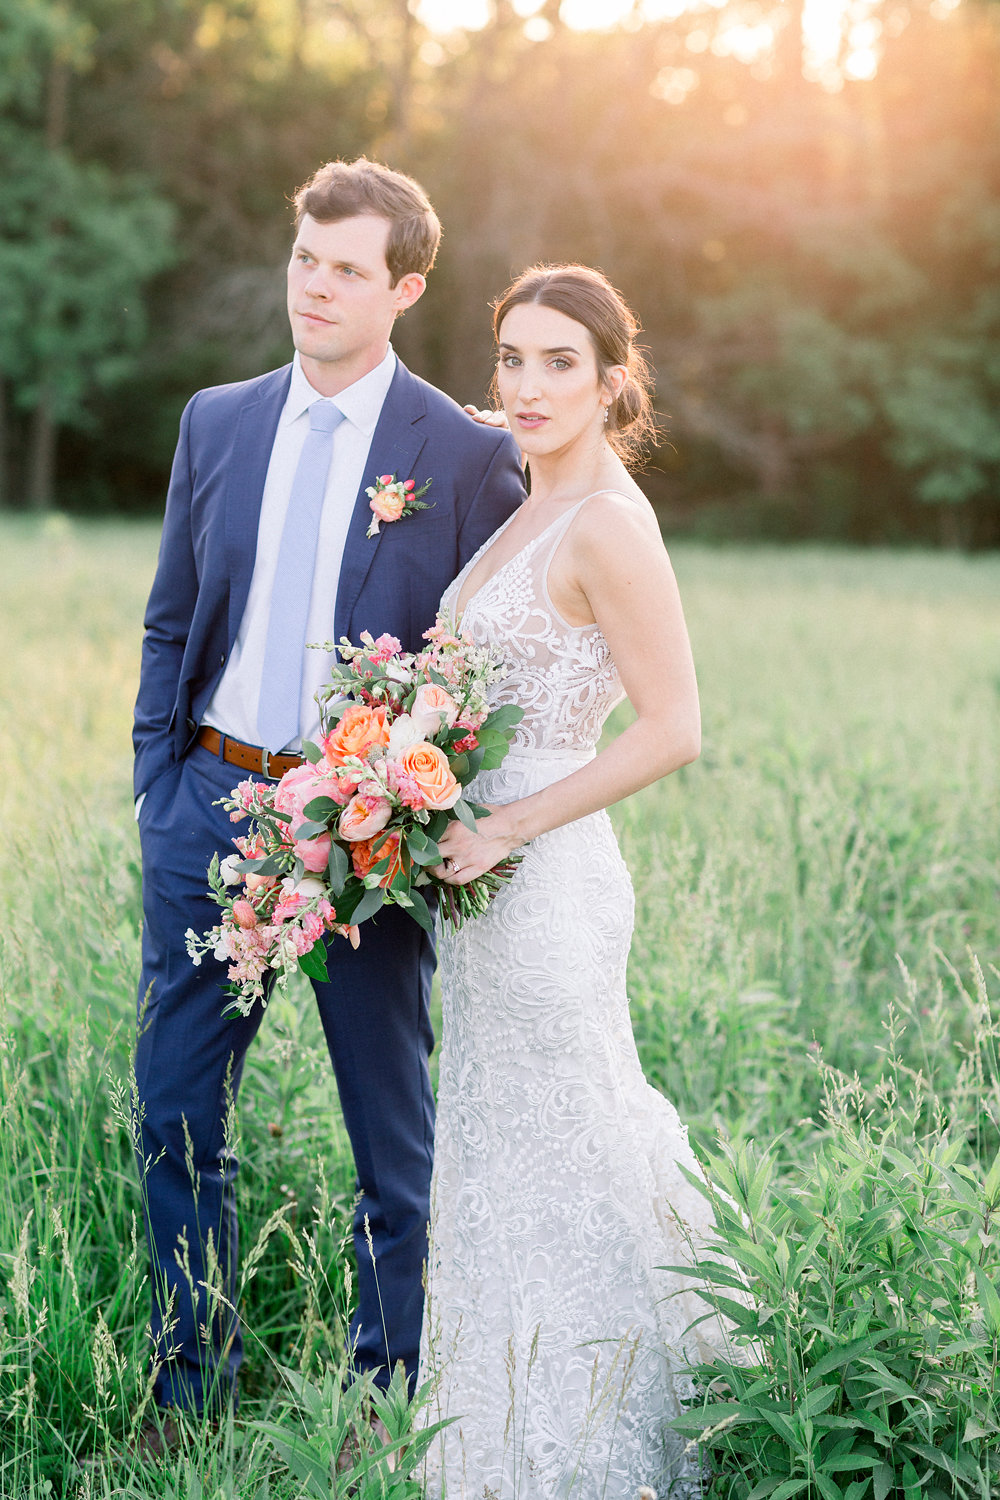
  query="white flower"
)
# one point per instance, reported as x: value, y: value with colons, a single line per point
x: 307, y: 887
x: 398, y: 670
x: 405, y: 731
x: 228, y: 871
x: 222, y: 951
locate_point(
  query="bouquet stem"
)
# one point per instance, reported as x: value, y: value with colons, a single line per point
x: 463, y: 902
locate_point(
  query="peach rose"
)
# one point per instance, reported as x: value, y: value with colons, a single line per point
x: 364, y: 855
x: 244, y: 914
x: 433, y: 708
x: 359, y: 729
x: 364, y: 817
x: 429, y: 768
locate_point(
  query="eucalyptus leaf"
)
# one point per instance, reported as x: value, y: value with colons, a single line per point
x: 310, y: 830
x: 429, y: 854
x: 465, y: 815
x: 371, y: 902
x: 420, y: 911
x: 320, y: 809
x: 505, y: 717
x: 338, y: 868
x: 313, y: 963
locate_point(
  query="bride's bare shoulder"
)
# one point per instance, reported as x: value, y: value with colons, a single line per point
x: 616, y: 518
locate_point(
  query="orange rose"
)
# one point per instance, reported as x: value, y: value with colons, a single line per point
x: 429, y: 768
x: 359, y: 729
x: 364, y: 855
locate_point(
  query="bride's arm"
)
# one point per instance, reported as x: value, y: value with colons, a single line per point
x: 617, y: 568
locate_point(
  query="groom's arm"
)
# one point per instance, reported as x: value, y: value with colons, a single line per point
x: 167, y: 623
x: 499, y: 492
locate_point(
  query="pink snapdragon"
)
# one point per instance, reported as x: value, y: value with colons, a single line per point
x: 402, y: 785
x: 385, y: 647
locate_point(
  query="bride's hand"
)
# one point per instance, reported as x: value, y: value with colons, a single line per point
x: 487, y: 417
x: 467, y: 855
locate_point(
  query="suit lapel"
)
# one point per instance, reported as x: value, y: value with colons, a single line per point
x: 395, y: 448
x: 253, y: 438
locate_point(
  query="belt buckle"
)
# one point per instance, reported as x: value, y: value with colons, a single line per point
x: 264, y: 771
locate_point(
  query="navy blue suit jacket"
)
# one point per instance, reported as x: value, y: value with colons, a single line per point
x: 391, y: 582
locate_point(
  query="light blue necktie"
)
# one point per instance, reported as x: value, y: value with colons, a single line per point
x: 284, y: 648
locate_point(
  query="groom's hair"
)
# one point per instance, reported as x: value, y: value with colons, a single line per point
x: 343, y: 189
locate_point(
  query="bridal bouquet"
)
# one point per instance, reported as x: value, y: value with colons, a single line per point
x: 356, y: 826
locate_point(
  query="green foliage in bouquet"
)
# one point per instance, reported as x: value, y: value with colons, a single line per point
x: 869, y: 1366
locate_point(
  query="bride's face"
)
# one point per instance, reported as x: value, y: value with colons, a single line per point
x: 548, y: 379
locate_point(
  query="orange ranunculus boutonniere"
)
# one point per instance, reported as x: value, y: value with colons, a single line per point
x: 390, y: 498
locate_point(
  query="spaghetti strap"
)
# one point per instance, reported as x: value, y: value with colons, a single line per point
x: 557, y: 533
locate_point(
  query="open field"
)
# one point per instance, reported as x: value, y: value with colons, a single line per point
x: 810, y: 895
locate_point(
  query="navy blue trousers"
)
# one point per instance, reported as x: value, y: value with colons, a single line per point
x: 374, y: 1012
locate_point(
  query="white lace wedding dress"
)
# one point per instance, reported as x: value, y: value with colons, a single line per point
x: 556, y: 1190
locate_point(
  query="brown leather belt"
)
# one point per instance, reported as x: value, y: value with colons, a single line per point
x: 247, y: 757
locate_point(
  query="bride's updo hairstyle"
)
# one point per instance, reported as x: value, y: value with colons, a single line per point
x: 587, y: 296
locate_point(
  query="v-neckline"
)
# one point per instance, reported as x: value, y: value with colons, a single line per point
x: 488, y: 548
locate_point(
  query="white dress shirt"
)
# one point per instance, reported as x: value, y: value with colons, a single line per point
x: 233, y: 706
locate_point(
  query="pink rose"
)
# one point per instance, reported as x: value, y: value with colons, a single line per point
x: 314, y: 853
x: 364, y: 817
x: 244, y: 914
x: 297, y: 788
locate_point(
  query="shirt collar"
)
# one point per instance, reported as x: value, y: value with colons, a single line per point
x: 361, y: 402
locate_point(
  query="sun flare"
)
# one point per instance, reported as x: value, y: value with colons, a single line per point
x: 842, y: 39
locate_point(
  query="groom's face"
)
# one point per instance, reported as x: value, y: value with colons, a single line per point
x: 341, y: 301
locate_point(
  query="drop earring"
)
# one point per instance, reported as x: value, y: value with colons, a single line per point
x: 607, y: 409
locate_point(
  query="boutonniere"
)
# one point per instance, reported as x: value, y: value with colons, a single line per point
x: 390, y: 498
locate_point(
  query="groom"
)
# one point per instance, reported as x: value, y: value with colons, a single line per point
x: 264, y: 549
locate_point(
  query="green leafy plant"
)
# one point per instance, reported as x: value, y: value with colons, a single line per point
x: 367, y: 1431
x: 869, y: 1366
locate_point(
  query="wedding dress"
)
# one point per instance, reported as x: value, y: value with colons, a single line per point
x: 557, y: 1193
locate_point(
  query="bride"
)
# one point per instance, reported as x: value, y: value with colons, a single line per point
x: 555, y: 1339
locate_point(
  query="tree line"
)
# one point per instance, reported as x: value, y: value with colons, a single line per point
x: 814, y: 255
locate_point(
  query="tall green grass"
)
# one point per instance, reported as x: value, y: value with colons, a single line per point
x: 843, y: 813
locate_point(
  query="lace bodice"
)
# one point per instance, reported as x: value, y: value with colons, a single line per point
x: 563, y: 676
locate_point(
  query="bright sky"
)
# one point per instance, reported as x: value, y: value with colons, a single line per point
x: 843, y: 37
